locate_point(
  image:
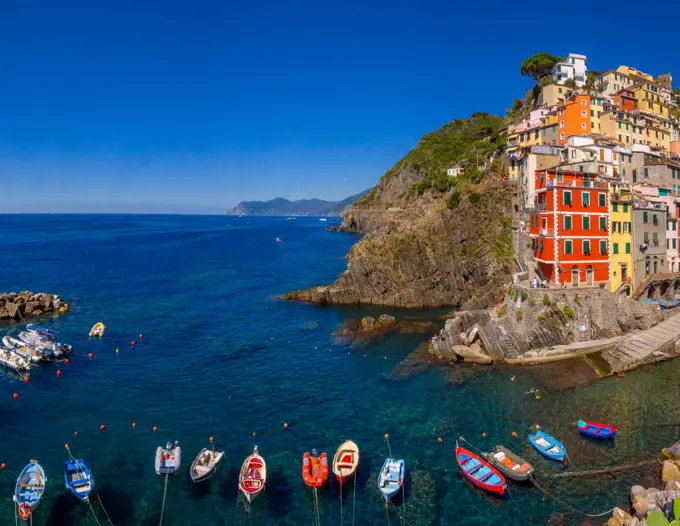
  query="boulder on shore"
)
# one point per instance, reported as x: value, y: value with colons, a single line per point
x: 15, y: 306
x: 472, y: 354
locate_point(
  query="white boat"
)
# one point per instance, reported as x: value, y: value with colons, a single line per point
x: 323, y: 219
x: 13, y: 362
x: 168, y: 459
x: 253, y: 476
x: 205, y: 464
x: 27, y: 352
x: 51, y: 348
x: 49, y: 337
x: 291, y: 218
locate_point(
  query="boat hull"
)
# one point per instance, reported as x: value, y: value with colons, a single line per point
x: 30, y: 486
x: 391, y: 477
x: 199, y: 475
x: 473, y: 466
x: 596, y: 430
x: 346, y: 461
x: 78, y: 479
x: 321, y: 477
x: 519, y: 471
x: 253, y: 476
x: 548, y: 446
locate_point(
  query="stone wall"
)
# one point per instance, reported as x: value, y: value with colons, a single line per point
x: 17, y: 306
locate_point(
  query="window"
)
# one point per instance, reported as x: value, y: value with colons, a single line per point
x: 615, y: 207
x: 583, y: 125
x: 583, y: 102
x: 567, y: 197
x: 580, y: 168
x: 560, y: 177
x: 619, y: 125
x: 647, y: 266
x: 603, y: 223
x: 592, y: 113
x: 655, y: 239
x: 645, y: 237
x: 567, y: 222
x: 646, y: 172
x: 568, y: 246
x: 645, y: 217
x: 585, y: 197
x: 675, y: 225
x: 655, y: 219
x: 585, y: 222
x: 561, y: 136
x: 673, y: 242
x: 602, y: 199
x: 586, y: 247
x: 583, y: 113
x: 559, y: 90
x: 627, y: 227
x: 656, y: 270
x: 603, y: 246
x: 561, y: 124
x: 615, y: 248
x: 627, y: 248
x: 634, y: 177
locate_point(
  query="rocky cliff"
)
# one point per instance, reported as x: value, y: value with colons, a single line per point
x: 432, y: 240
x: 25, y: 304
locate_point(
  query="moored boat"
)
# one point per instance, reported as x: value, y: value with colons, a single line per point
x: 391, y: 477
x: 205, y: 464
x: 78, y: 479
x: 47, y: 344
x: 168, y: 459
x: 29, y: 489
x: 346, y: 461
x: 19, y: 348
x: 510, y: 465
x: 97, y: 330
x: 479, y: 471
x: 13, y: 362
x: 595, y: 430
x: 548, y: 446
x: 315, y: 469
x: 253, y: 476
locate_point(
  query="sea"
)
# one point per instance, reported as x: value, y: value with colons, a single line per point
x: 218, y: 353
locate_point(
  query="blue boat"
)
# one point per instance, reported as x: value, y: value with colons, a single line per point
x: 78, y: 479
x: 548, y: 446
x: 29, y: 489
x: 595, y: 430
x: 391, y: 477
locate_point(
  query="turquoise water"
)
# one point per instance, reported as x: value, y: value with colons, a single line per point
x: 222, y: 356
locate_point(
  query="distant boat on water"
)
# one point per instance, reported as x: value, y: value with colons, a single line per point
x: 323, y: 219
x: 291, y: 218
x: 279, y: 240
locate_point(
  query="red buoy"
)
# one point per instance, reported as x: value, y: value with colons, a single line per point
x: 67, y: 361
x: 141, y: 336
x: 16, y: 396
x: 101, y: 427
x: 134, y: 425
x: 58, y: 372
x: 90, y: 356
x: 155, y: 429
x: 26, y: 379
x: 132, y: 343
x: 3, y: 465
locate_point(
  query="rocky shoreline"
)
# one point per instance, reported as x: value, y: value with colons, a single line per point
x: 25, y: 304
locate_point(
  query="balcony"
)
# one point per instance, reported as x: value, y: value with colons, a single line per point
x: 552, y: 183
x: 547, y: 232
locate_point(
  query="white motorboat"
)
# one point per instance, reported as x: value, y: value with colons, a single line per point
x: 52, y: 350
x: 13, y: 362
x: 27, y: 352
x: 168, y: 459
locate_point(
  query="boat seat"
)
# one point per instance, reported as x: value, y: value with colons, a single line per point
x: 346, y: 465
x: 476, y: 469
x: 487, y: 476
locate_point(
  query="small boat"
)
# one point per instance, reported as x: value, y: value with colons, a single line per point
x: 31, y: 353
x: 168, y: 459
x: 315, y: 469
x: 78, y: 479
x: 510, y: 465
x: 479, y: 471
x: 279, y: 240
x: 291, y: 219
x: 97, y: 330
x: 205, y: 464
x: 323, y: 219
x: 253, y: 476
x: 48, y: 349
x: 346, y: 461
x: 391, y: 477
x: 548, y: 446
x: 29, y: 489
x: 43, y: 331
x: 593, y: 429
x: 13, y: 362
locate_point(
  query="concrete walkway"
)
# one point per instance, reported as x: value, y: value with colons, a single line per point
x: 639, y: 348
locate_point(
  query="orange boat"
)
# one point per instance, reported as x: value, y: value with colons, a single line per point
x: 315, y: 469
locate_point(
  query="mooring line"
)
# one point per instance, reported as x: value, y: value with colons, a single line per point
x: 567, y: 505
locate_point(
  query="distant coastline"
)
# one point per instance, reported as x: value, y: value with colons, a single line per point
x: 302, y: 207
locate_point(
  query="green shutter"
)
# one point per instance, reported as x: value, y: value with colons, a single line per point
x: 603, y: 223
x: 616, y: 248
x: 615, y: 207
x: 567, y: 198
x: 602, y: 199
x: 586, y: 246
x: 567, y: 246
x: 625, y: 208
x: 603, y: 246
x: 586, y: 199
x: 567, y: 222
x: 644, y: 217
x: 627, y: 248
x: 586, y: 223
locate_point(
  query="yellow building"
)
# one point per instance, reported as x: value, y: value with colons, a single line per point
x: 650, y: 99
x: 596, y: 111
x: 551, y: 95
x: 634, y: 73
x: 621, y: 239
x: 618, y: 125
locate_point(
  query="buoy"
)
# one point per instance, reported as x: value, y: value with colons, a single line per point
x: 440, y: 440
x: 75, y: 433
x: 176, y: 442
x: 3, y: 465
x: 65, y: 446
x: 254, y: 433
x: 483, y: 434
x: 387, y: 436
x: 211, y: 439
x: 101, y: 427
x: 26, y: 379
x: 538, y: 427
x: 132, y: 343
x: 116, y: 351
x: 155, y: 429
x: 58, y: 372
x: 134, y: 424
x: 141, y: 336
x: 67, y: 361
x: 90, y: 356
x: 514, y: 434
x: 285, y: 426
x: 16, y: 395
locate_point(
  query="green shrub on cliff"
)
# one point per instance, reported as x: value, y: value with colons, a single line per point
x: 532, y: 302
x: 569, y: 312
x: 524, y: 295
x: 542, y: 316
x: 546, y: 300
x: 520, y: 315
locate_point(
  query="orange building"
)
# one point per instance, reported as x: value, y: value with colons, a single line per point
x: 570, y: 227
x: 625, y: 100
x: 573, y: 118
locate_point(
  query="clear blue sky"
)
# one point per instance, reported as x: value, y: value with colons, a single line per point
x: 196, y: 105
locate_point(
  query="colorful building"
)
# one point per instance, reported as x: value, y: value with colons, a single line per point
x: 621, y: 239
x: 569, y: 227
x: 573, y: 117
x: 551, y: 95
x: 650, y: 99
x: 610, y: 82
x: 634, y: 74
x: 625, y: 100
x: 575, y: 67
x: 649, y: 239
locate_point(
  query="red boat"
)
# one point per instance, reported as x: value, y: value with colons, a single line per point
x: 315, y: 469
x: 595, y: 430
x: 253, y: 476
x: 479, y: 471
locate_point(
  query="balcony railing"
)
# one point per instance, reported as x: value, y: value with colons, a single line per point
x: 547, y: 232
x: 550, y: 183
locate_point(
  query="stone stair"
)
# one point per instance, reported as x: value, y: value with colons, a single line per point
x: 639, y: 348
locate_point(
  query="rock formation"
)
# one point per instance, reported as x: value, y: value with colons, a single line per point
x: 368, y: 330
x: 26, y: 304
x: 432, y: 240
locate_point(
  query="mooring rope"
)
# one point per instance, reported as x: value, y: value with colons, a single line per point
x: 567, y: 505
x: 403, y: 500
x: 569, y: 459
x: 93, y: 512
x: 341, y: 518
x: 316, y: 504
x: 165, y: 488
x: 238, y: 501
x: 507, y: 488
x: 354, y: 499
x: 16, y: 517
x: 104, y: 509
